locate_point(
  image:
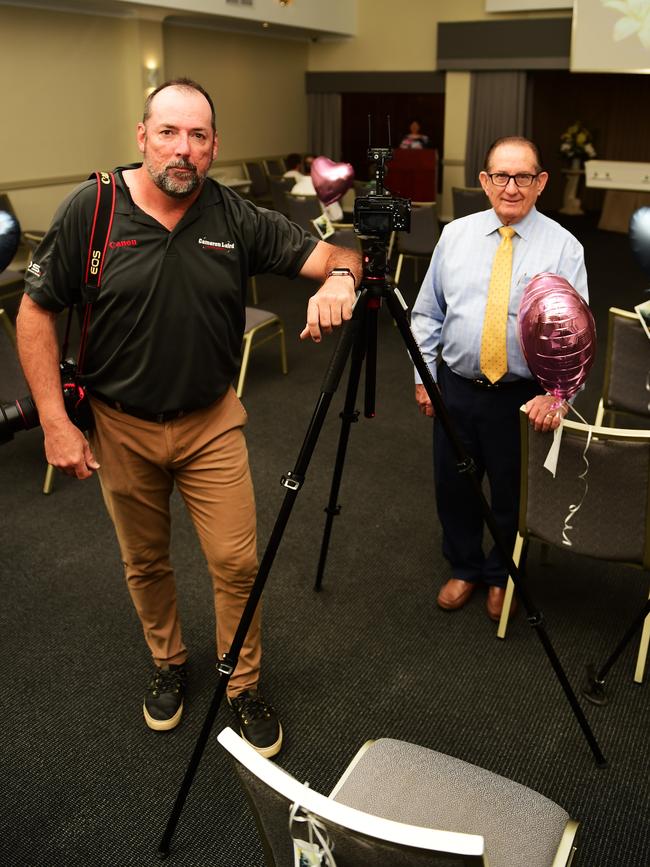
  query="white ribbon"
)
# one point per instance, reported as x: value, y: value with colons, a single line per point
x: 315, y: 829
x: 551, y: 465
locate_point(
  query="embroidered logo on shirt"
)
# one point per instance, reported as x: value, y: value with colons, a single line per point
x: 33, y: 268
x: 216, y: 245
x: 130, y: 243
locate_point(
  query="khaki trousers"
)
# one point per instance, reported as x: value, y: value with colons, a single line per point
x: 205, y: 455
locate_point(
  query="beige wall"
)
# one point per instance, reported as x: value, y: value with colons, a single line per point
x: 257, y: 84
x: 400, y: 35
x: 393, y: 36
x: 74, y: 88
x: 72, y: 93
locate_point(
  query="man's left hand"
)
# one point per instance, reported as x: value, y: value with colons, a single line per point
x: 543, y: 413
x: 329, y: 307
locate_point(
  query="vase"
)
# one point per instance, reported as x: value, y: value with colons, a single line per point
x: 571, y: 204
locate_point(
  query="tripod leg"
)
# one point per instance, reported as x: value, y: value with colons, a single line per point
x: 465, y: 465
x: 595, y: 688
x: 292, y: 482
x: 349, y: 416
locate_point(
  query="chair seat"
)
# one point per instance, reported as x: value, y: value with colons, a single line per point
x: 434, y: 790
x: 261, y: 326
x: 256, y: 317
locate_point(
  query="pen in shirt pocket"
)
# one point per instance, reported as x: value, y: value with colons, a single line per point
x: 523, y: 281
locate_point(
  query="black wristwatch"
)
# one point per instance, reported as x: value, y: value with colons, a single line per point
x: 343, y: 272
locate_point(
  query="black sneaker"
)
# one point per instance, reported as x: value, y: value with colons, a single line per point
x: 258, y: 722
x: 163, y: 701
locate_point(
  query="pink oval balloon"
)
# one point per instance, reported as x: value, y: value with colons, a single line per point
x: 331, y: 179
x: 557, y: 334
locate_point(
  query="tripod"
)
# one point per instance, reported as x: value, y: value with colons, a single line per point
x: 358, y: 340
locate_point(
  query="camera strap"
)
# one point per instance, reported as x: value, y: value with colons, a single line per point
x: 97, y: 246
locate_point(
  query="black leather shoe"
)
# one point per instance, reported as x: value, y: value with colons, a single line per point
x: 163, y: 701
x: 258, y: 722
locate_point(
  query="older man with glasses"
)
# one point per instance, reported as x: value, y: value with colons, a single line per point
x: 465, y: 321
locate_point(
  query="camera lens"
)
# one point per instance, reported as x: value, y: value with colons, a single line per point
x: 19, y: 415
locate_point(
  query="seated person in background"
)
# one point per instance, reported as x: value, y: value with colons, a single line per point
x: 305, y: 187
x: 415, y: 140
x: 293, y: 163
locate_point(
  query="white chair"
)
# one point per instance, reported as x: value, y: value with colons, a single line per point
x: 261, y: 326
x: 391, y: 804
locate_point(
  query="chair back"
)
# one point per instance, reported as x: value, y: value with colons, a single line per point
x: 279, y: 187
x: 258, y: 178
x: 627, y: 368
x: 424, y: 233
x: 354, y: 837
x: 468, y: 200
x: 304, y: 209
x: 617, y: 466
x: 274, y: 166
x: 345, y: 238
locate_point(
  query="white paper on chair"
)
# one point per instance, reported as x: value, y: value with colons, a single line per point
x: 550, y: 463
x: 307, y: 854
x: 323, y: 226
x: 643, y: 312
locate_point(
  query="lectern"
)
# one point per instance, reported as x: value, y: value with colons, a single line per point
x: 413, y: 174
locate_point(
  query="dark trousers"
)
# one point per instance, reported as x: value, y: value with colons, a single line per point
x: 486, y: 421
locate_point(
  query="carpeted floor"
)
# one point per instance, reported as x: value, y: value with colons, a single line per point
x: 86, y: 783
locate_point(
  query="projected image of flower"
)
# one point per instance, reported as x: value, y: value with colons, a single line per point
x: 635, y: 19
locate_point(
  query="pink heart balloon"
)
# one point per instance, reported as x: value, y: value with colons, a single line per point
x: 557, y: 334
x: 331, y: 179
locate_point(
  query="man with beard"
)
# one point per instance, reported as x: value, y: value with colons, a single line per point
x: 164, y: 346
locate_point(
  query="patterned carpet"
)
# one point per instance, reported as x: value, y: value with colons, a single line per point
x: 85, y: 783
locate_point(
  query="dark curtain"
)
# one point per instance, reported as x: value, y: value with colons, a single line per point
x: 497, y: 108
x: 324, y: 125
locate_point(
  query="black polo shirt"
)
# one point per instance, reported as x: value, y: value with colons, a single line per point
x: 167, y: 328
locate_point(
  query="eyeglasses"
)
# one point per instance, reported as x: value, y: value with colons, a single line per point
x: 501, y: 179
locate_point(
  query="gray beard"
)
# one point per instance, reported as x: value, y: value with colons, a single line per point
x: 174, y: 187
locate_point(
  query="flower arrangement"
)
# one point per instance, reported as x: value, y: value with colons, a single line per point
x: 576, y: 142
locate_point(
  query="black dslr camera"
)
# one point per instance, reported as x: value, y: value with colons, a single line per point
x: 23, y: 415
x: 378, y: 214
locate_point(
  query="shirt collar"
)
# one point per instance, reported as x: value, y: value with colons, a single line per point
x: 523, y: 228
x: 210, y: 191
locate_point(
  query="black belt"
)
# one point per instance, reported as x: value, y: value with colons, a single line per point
x: 145, y: 415
x: 485, y: 383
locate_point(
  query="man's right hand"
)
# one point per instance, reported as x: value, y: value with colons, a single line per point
x: 67, y: 449
x: 424, y: 401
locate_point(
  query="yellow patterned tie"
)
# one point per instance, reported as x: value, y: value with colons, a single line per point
x: 494, y: 359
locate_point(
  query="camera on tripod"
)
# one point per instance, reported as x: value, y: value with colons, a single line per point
x: 378, y: 214
x: 23, y: 415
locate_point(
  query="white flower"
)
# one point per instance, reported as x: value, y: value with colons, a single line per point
x: 636, y: 19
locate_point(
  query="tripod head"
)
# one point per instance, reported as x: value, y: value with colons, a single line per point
x: 376, y: 217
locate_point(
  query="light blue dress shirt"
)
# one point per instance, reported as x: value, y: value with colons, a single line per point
x: 448, y: 314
